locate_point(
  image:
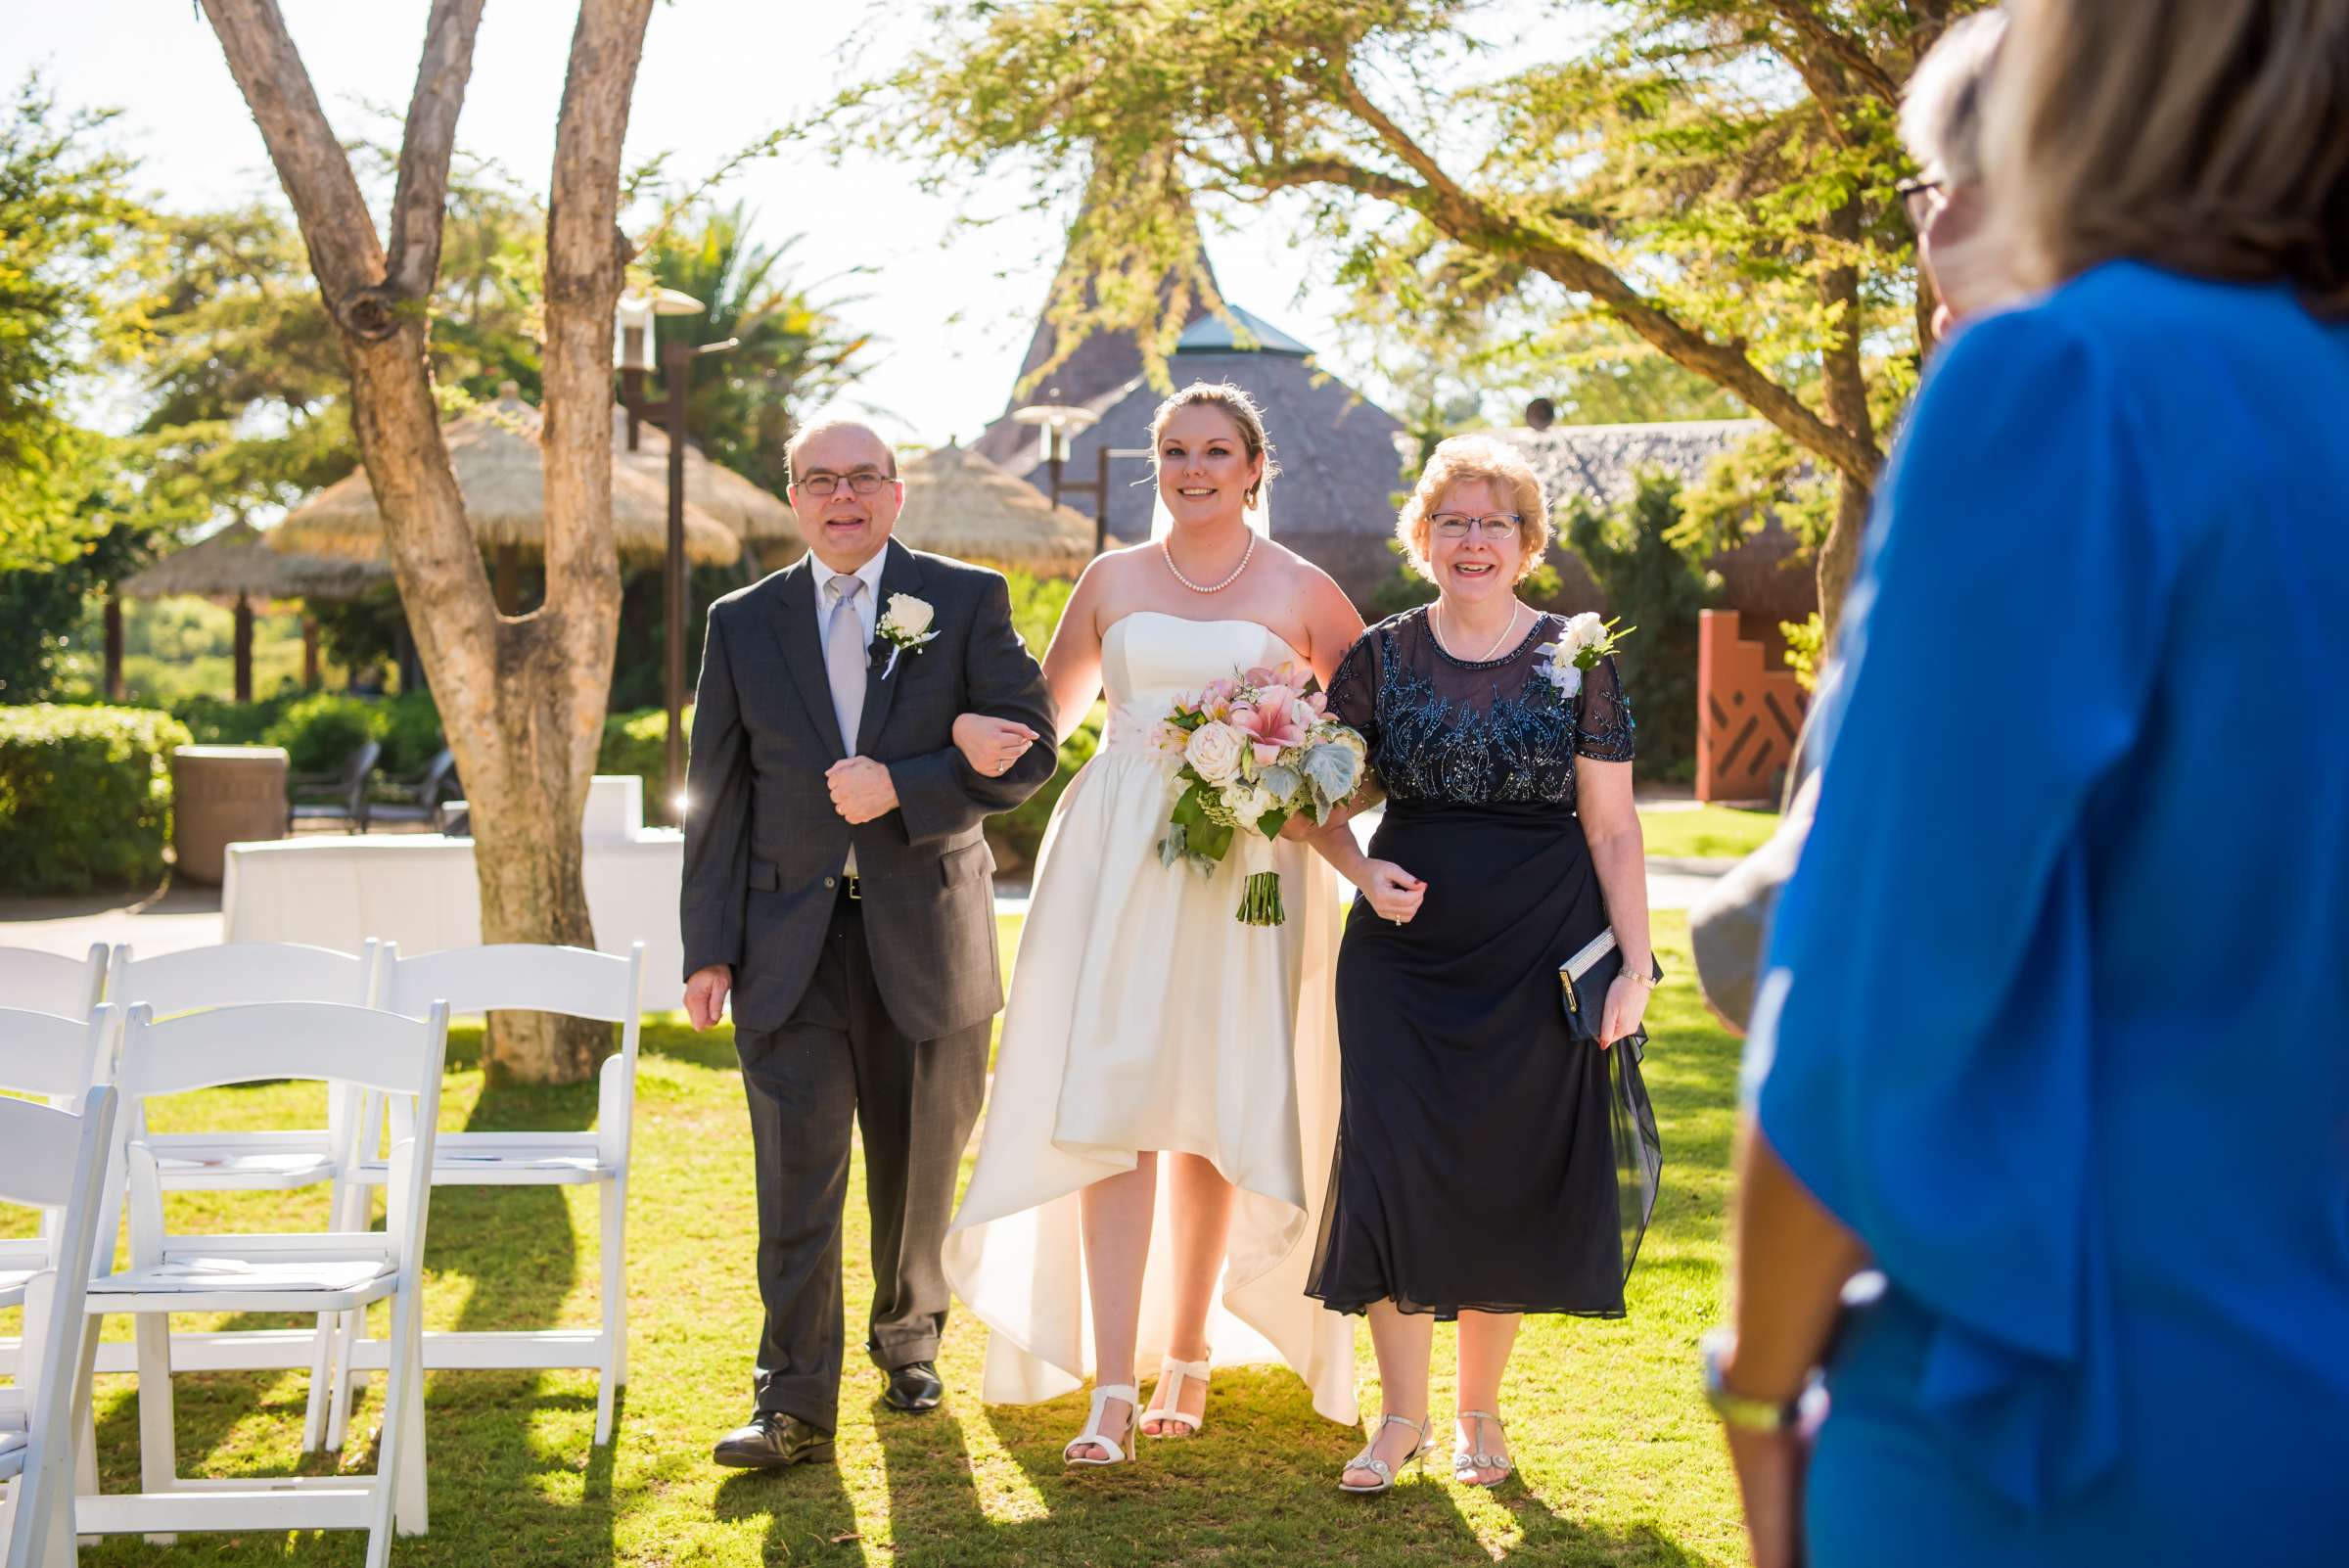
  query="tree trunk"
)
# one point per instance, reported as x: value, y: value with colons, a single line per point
x: 114, y: 643
x: 522, y: 700
x: 1844, y: 392
x: 243, y: 654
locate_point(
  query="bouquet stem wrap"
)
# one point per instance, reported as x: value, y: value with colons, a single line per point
x: 1260, y: 904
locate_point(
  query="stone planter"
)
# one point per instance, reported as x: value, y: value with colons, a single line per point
x: 223, y: 795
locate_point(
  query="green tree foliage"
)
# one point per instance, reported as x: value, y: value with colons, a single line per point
x: 66, y: 227
x: 248, y: 395
x: 1650, y: 585
x: 1712, y: 179
x: 85, y: 796
x: 792, y: 349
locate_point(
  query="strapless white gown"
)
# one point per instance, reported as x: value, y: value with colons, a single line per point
x: 1145, y: 1016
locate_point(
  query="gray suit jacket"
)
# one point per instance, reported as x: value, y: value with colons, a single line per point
x: 764, y: 846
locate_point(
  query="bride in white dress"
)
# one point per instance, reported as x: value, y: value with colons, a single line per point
x: 1159, y: 1137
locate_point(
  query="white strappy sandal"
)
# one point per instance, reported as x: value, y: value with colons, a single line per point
x: 1092, y: 1436
x: 1170, y: 1373
x: 1370, y: 1461
x: 1466, y: 1458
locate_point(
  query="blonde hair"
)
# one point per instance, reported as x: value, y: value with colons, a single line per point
x: 1941, y: 108
x: 1235, y: 402
x: 2207, y: 136
x: 1463, y: 460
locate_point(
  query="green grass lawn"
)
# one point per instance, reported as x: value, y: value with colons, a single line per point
x: 1706, y: 830
x: 1620, y: 1462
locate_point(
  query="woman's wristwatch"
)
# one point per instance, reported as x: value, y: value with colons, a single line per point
x: 1736, y: 1412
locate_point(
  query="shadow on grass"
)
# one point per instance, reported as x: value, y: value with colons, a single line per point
x: 807, y: 1509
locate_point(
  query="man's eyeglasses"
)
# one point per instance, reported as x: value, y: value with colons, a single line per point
x: 866, y: 484
x: 1459, y: 526
x: 1923, y: 199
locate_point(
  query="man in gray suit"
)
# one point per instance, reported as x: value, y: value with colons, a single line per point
x: 838, y: 886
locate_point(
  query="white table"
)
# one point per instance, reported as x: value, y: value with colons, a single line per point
x: 419, y: 889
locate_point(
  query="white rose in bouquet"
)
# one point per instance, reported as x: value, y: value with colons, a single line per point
x: 1248, y: 802
x: 1214, y: 752
x: 1585, y: 631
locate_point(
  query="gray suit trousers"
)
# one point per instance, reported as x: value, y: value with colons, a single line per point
x: 839, y: 1057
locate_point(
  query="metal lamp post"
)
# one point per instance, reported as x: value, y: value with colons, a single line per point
x: 633, y: 353
x: 1056, y: 424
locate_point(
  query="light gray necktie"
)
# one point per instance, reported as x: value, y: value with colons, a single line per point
x: 844, y: 665
x: 844, y: 658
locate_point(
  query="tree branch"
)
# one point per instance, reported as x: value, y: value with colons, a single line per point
x: 1467, y: 218
x: 441, y: 76
x: 345, y: 256
x: 1832, y: 43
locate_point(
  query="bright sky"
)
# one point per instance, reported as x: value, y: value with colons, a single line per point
x: 955, y: 303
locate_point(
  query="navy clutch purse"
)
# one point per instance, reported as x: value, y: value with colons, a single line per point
x: 1582, y: 982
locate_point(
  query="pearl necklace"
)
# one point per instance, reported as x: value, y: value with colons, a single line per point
x: 1167, y: 548
x: 1497, y: 642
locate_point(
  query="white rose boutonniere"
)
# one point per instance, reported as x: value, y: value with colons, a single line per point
x: 1585, y: 641
x: 905, y: 627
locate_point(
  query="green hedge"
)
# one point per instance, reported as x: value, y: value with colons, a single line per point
x: 635, y: 743
x: 85, y: 796
x: 320, y: 731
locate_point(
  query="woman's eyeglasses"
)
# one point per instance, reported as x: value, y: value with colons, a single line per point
x: 1459, y: 526
x: 1923, y: 199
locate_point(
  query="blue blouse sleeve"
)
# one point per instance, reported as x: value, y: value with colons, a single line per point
x: 1924, y: 1039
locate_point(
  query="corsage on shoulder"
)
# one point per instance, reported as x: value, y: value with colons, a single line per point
x: 1585, y: 641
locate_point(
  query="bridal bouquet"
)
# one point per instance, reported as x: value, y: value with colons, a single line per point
x: 1249, y: 754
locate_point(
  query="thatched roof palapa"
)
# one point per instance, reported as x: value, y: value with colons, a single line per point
x: 238, y: 562
x: 496, y: 454
x: 958, y: 503
x: 757, y: 515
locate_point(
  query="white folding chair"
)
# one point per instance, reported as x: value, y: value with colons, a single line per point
x: 57, y: 1162
x: 237, y: 974
x: 321, y: 1272
x: 582, y: 983
x: 60, y: 1060
x: 38, y: 982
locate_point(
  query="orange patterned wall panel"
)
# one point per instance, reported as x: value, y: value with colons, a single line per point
x: 1747, y: 714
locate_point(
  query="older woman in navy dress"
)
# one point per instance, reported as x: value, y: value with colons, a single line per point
x: 2053, y: 1029
x: 1476, y: 1174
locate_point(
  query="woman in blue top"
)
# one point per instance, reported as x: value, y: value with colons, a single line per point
x: 2054, y: 1029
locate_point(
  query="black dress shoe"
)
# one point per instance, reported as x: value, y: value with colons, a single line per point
x: 772, y: 1442
x: 914, y: 1387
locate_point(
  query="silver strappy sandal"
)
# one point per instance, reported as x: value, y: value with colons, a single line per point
x: 1368, y: 1459
x: 1092, y: 1435
x: 1171, y: 1374
x: 1467, y: 1459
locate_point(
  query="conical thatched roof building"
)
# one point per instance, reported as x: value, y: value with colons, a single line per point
x: 958, y: 503
x: 238, y: 563
x: 1339, y: 468
x: 494, y: 451
x: 757, y: 517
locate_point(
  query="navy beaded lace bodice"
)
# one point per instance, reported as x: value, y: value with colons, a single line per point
x: 1445, y: 731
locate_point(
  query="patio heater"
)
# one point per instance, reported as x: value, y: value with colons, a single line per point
x: 632, y: 352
